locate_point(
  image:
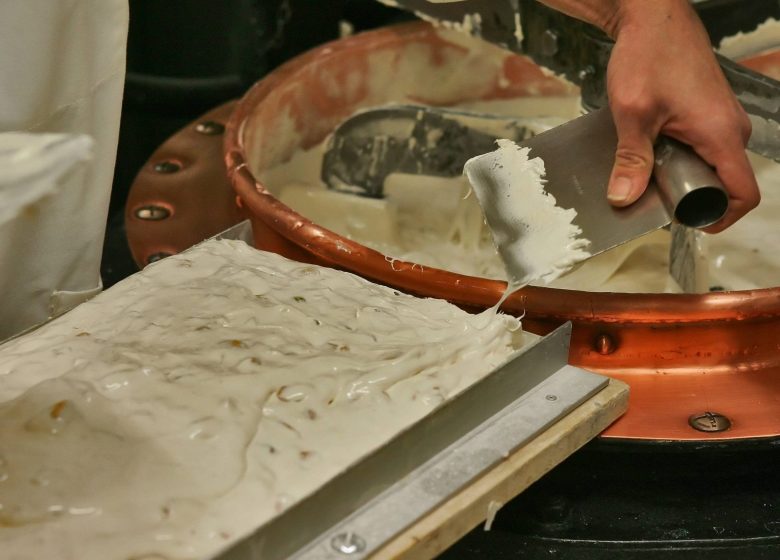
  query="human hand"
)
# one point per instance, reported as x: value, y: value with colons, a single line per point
x: 663, y: 78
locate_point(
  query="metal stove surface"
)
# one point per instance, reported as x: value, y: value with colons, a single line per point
x: 642, y: 501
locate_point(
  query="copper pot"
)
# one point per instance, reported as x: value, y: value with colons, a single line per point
x: 681, y: 354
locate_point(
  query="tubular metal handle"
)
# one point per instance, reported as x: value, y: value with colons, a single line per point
x: 689, y: 187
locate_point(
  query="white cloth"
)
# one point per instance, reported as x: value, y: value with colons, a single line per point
x: 62, y: 67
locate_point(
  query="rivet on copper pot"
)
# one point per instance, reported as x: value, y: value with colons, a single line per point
x: 210, y: 128
x: 709, y: 422
x: 167, y: 167
x: 153, y: 258
x: 348, y: 543
x: 152, y: 212
x: 605, y: 344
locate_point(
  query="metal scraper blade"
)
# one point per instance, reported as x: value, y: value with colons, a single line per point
x: 579, y: 156
x: 374, y: 143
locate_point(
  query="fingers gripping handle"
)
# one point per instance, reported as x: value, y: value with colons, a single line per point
x: 690, y: 188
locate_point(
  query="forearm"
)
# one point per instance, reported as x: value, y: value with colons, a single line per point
x: 601, y: 13
x: 612, y: 15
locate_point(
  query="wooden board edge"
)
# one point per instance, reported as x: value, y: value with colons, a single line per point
x: 443, y: 526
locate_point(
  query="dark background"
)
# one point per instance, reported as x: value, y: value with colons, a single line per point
x: 185, y: 57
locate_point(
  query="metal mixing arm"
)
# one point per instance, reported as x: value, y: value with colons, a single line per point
x: 580, y: 52
x: 369, y: 146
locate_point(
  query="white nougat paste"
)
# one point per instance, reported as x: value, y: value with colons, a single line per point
x: 435, y: 222
x: 197, y: 399
x: 536, y: 238
x: 432, y: 221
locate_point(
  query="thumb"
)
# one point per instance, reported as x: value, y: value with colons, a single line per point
x: 633, y: 164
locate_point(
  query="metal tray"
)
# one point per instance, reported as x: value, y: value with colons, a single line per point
x: 378, y: 497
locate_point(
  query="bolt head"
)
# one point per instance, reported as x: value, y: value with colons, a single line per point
x: 551, y: 398
x: 709, y: 422
x: 166, y: 167
x: 210, y: 128
x: 348, y: 543
x: 152, y: 212
x: 605, y: 344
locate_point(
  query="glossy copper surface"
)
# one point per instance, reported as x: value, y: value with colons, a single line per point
x: 182, y: 195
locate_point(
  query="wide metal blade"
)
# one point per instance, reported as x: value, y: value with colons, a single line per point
x: 578, y: 157
x: 380, y: 496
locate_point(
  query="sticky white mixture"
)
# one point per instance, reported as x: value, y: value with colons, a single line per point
x: 437, y: 223
x: 765, y: 36
x: 492, y: 509
x: 746, y: 255
x: 192, y: 402
x: 536, y: 238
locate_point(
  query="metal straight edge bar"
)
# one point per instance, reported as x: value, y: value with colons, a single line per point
x: 464, y: 461
x: 319, y: 526
x: 242, y: 231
